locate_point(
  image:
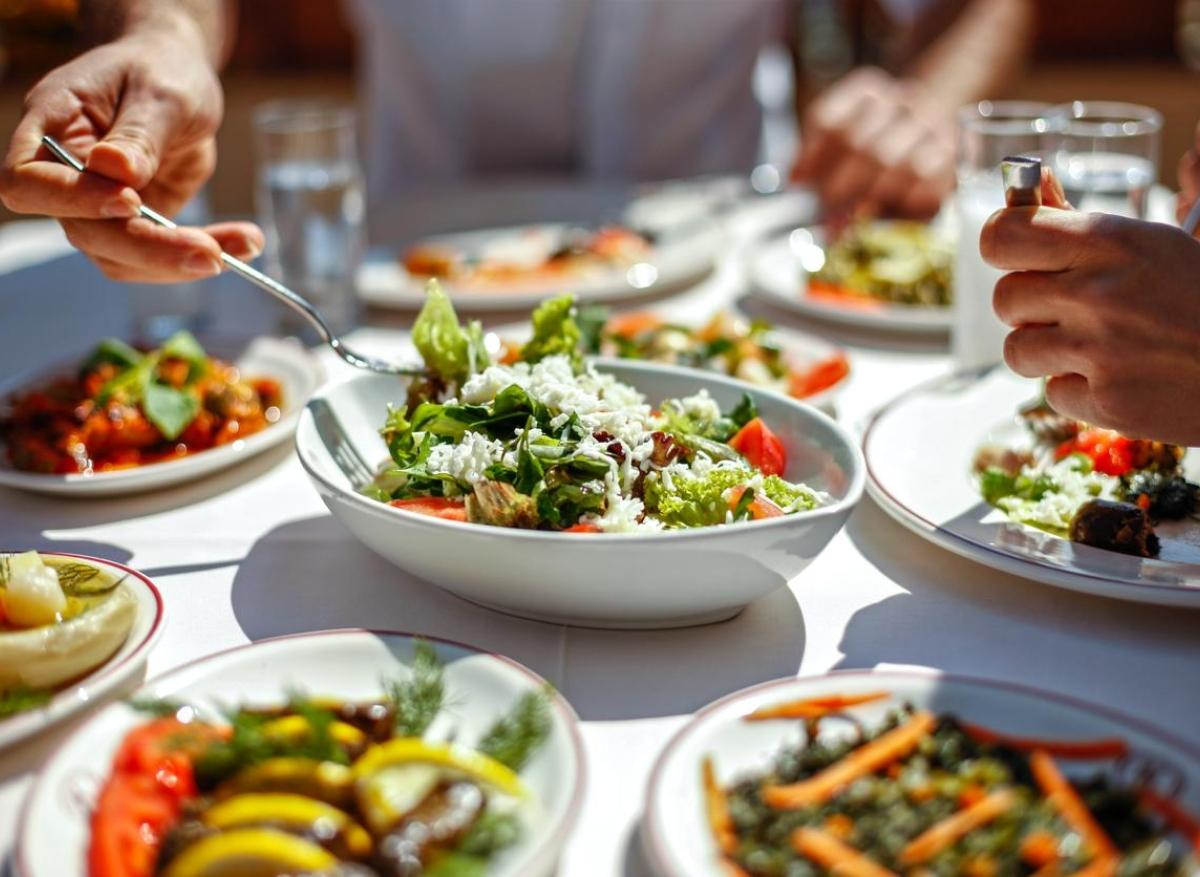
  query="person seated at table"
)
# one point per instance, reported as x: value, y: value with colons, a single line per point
x: 618, y: 90
x: 1107, y: 308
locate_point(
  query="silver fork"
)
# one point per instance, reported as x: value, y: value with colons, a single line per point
x: 333, y: 435
x: 292, y: 299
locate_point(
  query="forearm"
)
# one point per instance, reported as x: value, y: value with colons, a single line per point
x: 979, y: 54
x: 206, y: 23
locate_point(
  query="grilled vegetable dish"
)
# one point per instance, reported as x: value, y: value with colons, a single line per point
x: 727, y: 344
x: 550, y: 443
x: 318, y: 787
x: 59, y: 620
x: 930, y: 795
x: 904, y: 263
x: 128, y: 408
x: 1091, y: 485
x: 537, y: 255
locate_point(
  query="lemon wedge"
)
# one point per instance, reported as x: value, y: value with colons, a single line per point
x: 293, y: 812
x: 250, y: 852
x: 409, y: 750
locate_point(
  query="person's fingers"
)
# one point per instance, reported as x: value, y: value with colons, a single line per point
x: 922, y: 201
x: 1024, y: 298
x: 1053, y: 194
x: 850, y: 179
x: 1071, y: 396
x: 244, y: 240
x: 148, y: 119
x: 1037, y: 351
x: 825, y: 132
x: 181, y: 176
x: 156, y: 252
x: 1042, y: 239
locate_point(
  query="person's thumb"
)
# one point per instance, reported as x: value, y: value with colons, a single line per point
x: 132, y: 149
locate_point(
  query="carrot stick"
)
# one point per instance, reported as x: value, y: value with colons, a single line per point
x: 835, y: 856
x: 866, y: 759
x: 1062, y: 795
x: 813, y: 708
x: 1174, y: 815
x: 1039, y: 849
x: 946, y: 833
x: 1082, y: 750
x: 717, y: 807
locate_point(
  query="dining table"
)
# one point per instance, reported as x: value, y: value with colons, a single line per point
x: 252, y: 553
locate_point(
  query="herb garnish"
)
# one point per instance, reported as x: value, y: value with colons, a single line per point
x: 516, y: 736
x: 418, y: 699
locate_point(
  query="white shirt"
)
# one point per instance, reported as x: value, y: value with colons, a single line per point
x: 615, y: 90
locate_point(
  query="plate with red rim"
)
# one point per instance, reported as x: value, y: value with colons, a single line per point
x: 298, y: 372
x: 779, y: 269
x: 118, y: 669
x: 347, y: 664
x: 675, y: 831
x: 920, y: 449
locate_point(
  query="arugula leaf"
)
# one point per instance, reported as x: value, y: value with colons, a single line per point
x: 554, y: 331
x: 169, y: 409
x: 744, y: 411
x: 513, y: 739
x: 995, y: 484
x: 111, y: 350
x: 418, y: 699
x: 530, y: 471
x: 591, y: 320
x: 440, y: 339
x: 183, y: 345
x: 19, y: 700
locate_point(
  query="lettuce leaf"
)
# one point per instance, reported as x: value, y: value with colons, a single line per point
x: 554, y: 331
x: 694, y: 502
x: 449, y: 350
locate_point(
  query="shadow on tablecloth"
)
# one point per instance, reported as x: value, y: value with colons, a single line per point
x: 311, y: 574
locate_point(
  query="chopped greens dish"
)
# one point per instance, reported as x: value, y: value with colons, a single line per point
x: 318, y: 786
x: 126, y: 408
x: 547, y: 442
x: 897, y: 262
x: 928, y: 795
x: 727, y: 344
x: 59, y: 619
x: 1094, y: 486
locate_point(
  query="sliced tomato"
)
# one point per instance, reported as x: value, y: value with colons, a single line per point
x: 582, y: 528
x: 633, y: 324
x: 1110, y: 452
x: 822, y: 376
x: 434, y: 506
x: 760, y: 507
x: 163, y: 750
x: 132, y: 814
x: 761, y: 447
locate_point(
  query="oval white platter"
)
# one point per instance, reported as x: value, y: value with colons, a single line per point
x: 675, y: 831
x: 776, y: 269
x: 125, y: 663
x: 298, y: 372
x: 919, y: 451
x: 53, y: 835
x: 672, y: 264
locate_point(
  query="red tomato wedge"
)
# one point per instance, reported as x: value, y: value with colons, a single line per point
x: 819, y: 377
x: 760, y: 507
x: 132, y: 814
x: 633, y: 324
x: 582, y: 528
x: 434, y: 507
x: 761, y: 447
x: 1110, y: 452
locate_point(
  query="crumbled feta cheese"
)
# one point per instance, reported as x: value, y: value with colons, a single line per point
x: 466, y: 461
x: 701, y: 407
x: 621, y: 514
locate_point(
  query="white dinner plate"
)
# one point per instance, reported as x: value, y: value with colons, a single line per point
x: 53, y: 834
x: 671, y: 264
x: 125, y: 663
x: 298, y: 372
x: 776, y: 267
x: 675, y: 831
x: 920, y: 449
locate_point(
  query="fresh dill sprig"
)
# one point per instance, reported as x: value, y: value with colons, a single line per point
x: 513, y: 739
x: 18, y: 700
x: 418, y: 699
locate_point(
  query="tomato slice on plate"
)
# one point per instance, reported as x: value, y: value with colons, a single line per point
x: 821, y: 376
x: 434, y: 507
x: 761, y: 447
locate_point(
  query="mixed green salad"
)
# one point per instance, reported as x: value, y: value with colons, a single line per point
x: 549, y: 443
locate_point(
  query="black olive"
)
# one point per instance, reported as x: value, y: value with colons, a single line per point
x: 1115, y: 526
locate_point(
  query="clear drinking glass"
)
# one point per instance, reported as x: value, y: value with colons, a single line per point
x: 1106, y: 153
x: 310, y: 204
x: 987, y: 132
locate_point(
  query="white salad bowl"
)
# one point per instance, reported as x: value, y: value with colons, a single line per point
x: 122, y: 666
x: 675, y: 830
x: 298, y: 372
x: 625, y: 580
x: 52, y: 838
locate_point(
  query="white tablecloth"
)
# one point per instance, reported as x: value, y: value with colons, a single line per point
x: 253, y: 553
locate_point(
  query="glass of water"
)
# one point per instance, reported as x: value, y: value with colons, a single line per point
x: 310, y: 204
x: 987, y: 132
x: 1106, y: 155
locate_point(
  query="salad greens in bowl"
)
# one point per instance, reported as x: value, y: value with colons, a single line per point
x: 548, y: 485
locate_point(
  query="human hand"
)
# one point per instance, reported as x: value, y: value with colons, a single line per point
x: 141, y: 112
x: 1108, y: 309
x: 873, y: 143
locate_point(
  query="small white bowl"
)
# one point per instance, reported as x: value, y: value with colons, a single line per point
x: 675, y: 831
x: 125, y: 664
x: 52, y: 838
x: 286, y: 361
x: 652, y: 580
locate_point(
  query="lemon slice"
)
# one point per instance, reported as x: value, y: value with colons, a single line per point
x: 291, y: 728
x: 324, y: 780
x: 292, y: 812
x: 250, y: 852
x: 408, y: 750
